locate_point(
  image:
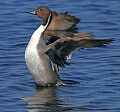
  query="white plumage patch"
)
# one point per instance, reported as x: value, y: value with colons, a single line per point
x: 37, y: 34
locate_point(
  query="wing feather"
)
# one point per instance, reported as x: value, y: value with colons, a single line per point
x: 60, y: 49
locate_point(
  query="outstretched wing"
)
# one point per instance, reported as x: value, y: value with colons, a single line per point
x: 60, y: 49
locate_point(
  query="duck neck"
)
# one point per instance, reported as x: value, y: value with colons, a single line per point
x: 39, y: 33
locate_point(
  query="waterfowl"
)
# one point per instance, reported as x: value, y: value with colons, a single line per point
x: 41, y: 58
x: 62, y: 21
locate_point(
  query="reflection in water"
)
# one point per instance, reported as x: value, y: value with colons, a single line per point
x: 42, y: 100
x: 46, y: 99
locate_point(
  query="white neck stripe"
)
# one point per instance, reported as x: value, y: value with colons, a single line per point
x: 37, y: 34
x: 44, y: 27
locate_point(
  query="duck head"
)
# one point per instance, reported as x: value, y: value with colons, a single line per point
x: 44, y: 13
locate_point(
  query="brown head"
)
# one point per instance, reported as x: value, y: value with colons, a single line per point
x: 44, y: 13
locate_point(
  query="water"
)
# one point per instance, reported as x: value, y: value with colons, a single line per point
x: 93, y: 78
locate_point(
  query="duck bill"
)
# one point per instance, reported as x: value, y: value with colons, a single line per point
x: 31, y: 12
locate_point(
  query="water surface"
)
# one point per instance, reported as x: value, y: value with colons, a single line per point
x: 93, y: 78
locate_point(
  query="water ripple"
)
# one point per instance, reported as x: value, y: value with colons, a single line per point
x: 93, y: 78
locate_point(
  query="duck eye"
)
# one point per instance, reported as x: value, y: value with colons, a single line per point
x: 40, y: 9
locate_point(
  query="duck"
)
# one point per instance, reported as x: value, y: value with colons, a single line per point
x: 62, y: 21
x: 43, y: 60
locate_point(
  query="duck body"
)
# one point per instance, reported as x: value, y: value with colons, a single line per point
x: 62, y: 21
x: 38, y: 62
x: 40, y: 67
